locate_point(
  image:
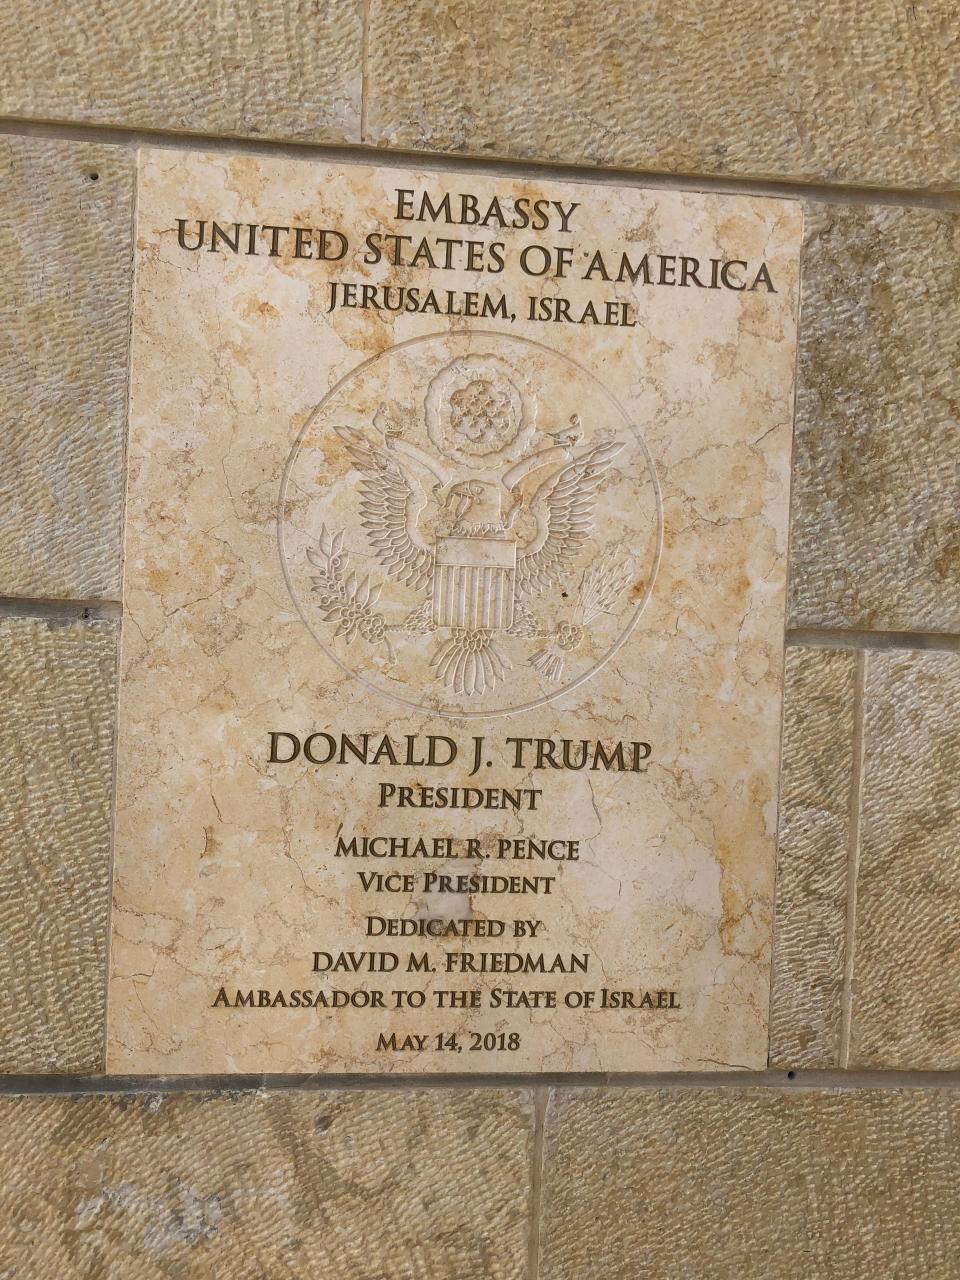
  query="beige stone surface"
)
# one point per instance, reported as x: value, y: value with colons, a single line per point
x: 815, y: 797
x: 723, y: 1184
x: 57, y: 698
x: 490, y: 529
x: 906, y: 976
x: 271, y: 70
x: 829, y: 91
x: 67, y: 241
x: 344, y: 1186
x: 875, y: 539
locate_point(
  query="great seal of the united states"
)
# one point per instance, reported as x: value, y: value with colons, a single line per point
x: 470, y: 523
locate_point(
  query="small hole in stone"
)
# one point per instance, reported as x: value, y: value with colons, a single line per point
x: 791, y: 1075
x: 94, y: 177
x: 564, y: 594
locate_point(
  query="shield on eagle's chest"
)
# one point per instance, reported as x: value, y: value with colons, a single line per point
x: 474, y: 580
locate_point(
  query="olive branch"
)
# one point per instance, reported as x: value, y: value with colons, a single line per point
x: 343, y: 597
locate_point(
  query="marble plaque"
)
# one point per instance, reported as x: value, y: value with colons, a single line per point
x: 452, y: 639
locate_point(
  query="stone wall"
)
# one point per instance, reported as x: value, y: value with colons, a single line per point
x: 841, y: 1160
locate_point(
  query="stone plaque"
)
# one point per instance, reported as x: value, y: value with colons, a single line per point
x: 452, y: 622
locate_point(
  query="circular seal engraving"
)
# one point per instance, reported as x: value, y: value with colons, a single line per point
x: 470, y: 524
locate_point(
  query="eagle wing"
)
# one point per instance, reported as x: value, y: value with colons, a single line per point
x: 563, y: 505
x: 390, y: 505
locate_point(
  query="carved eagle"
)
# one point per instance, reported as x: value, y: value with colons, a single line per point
x: 399, y: 480
x: 391, y: 500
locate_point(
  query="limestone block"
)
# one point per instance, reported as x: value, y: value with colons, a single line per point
x: 248, y: 618
x: 66, y: 239
x: 906, y: 975
x: 269, y: 70
x: 345, y: 1185
x: 822, y: 90
x: 815, y: 787
x: 732, y: 1183
x: 875, y: 540
x: 56, y: 743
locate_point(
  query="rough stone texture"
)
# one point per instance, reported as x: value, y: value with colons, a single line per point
x: 726, y: 1184
x: 66, y: 240
x: 338, y: 1185
x: 815, y: 792
x: 875, y: 539
x: 831, y: 91
x: 906, y: 1006
x: 271, y: 70
x: 56, y: 742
